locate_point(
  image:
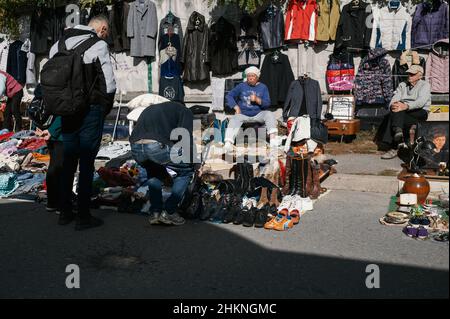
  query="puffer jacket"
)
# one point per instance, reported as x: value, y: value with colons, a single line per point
x: 195, y: 55
x: 328, y: 19
x: 373, y: 84
x: 391, y: 28
x: 430, y: 23
x: 341, y: 72
x: 437, y: 67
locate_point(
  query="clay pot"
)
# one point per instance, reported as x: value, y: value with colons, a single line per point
x: 417, y: 184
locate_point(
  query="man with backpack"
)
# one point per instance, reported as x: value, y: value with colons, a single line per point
x: 78, y: 84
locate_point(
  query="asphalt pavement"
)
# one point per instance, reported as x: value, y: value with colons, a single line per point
x: 326, y: 256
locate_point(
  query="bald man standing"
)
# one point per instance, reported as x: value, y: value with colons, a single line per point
x: 82, y: 132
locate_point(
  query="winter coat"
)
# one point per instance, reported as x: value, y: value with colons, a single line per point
x: 195, y: 50
x: 272, y: 28
x: 303, y: 90
x: 301, y: 21
x: 352, y: 28
x: 430, y: 23
x: 118, y: 18
x: 142, y: 28
x: 373, y: 83
x: 277, y: 75
x: 401, y: 65
x: 41, y: 29
x: 391, y: 28
x: 341, y: 72
x: 222, y: 48
x: 437, y: 67
x: 8, y: 85
x: 328, y: 19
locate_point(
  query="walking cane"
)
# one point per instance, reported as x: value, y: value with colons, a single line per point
x: 117, y: 117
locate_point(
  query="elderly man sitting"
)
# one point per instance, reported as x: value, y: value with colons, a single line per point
x: 250, y: 100
x: 409, y: 105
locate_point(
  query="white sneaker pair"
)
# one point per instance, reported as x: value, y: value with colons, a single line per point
x: 291, y: 203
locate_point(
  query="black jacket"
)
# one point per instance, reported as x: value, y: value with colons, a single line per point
x: 222, y: 48
x: 303, y: 90
x: 17, y: 62
x: 41, y: 30
x: 352, y: 29
x: 277, y: 75
x: 272, y: 28
x: 195, y: 55
x: 118, y: 18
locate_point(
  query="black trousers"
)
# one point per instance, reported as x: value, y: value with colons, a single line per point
x: 13, y: 108
x: 403, y: 120
x: 54, y: 173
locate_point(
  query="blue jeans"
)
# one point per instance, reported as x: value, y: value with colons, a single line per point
x: 160, y: 154
x: 81, y: 139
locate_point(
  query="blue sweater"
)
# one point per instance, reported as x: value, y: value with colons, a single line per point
x: 240, y: 96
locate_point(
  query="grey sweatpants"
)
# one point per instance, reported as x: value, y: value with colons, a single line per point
x: 237, y: 120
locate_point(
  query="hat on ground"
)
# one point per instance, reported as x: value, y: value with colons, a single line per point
x: 414, y: 69
x: 253, y: 70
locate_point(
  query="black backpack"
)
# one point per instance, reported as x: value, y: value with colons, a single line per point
x: 63, y: 79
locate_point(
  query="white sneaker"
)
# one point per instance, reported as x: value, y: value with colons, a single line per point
x: 286, y: 203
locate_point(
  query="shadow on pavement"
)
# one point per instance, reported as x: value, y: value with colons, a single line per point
x: 128, y: 258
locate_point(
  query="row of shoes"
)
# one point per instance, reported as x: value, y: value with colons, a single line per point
x: 289, y: 212
x: 417, y: 228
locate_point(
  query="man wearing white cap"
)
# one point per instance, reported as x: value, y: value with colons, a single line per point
x: 250, y: 100
x: 409, y: 105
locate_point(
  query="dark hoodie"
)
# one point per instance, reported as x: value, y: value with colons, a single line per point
x: 373, y: 84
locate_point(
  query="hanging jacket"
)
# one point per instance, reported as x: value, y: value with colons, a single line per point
x: 437, y: 67
x: 222, y: 48
x: 373, y: 83
x: 301, y: 20
x: 118, y: 18
x: 341, y: 72
x: 300, y: 130
x: 272, y: 28
x: 17, y: 62
x: 391, y: 28
x: 430, y: 23
x: 142, y: 28
x: 170, y: 25
x: 353, y: 31
x: 41, y: 30
x: 195, y: 57
x: 8, y: 85
x: 277, y: 75
x: 329, y: 12
x: 307, y: 92
x: 401, y: 65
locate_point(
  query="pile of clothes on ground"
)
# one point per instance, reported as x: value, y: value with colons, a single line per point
x: 24, y: 160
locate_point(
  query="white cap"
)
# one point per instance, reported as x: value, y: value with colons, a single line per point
x: 253, y: 70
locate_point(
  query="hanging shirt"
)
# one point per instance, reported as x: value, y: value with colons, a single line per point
x: 171, y: 88
x: 4, y: 49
